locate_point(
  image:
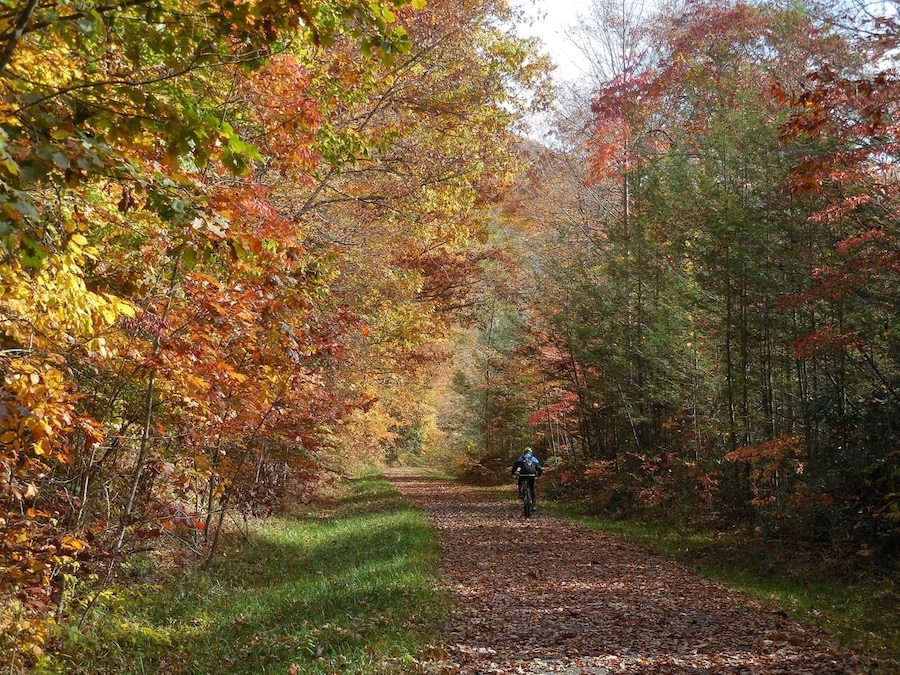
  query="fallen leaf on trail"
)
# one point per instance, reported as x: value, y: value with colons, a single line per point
x: 527, y: 602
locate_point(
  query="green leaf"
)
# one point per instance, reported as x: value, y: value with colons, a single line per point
x: 32, y: 253
x: 29, y: 173
x: 26, y: 208
x: 237, y: 251
x: 189, y: 258
x: 85, y: 25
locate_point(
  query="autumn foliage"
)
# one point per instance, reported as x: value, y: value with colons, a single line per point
x: 231, y: 239
x: 708, y: 306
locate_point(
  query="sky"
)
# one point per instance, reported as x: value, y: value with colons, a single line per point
x: 550, y: 20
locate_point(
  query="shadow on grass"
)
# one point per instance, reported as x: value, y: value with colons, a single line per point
x: 367, y: 503
x: 351, y: 593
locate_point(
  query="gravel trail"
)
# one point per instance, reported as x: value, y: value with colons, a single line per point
x: 546, y: 596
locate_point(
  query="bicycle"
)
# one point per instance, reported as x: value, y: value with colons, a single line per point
x: 527, y: 503
x: 526, y: 496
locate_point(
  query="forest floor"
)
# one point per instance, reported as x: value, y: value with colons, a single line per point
x: 544, y: 595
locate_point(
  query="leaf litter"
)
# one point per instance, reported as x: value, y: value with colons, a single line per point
x: 544, y: 595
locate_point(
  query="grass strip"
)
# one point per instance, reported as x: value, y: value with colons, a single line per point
x: 859, y: 610
x: 353, y: 592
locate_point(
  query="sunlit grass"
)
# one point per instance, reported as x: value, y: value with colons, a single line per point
x: 350, y: 593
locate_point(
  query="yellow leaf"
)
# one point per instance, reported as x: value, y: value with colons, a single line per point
x: 41, y: 447
x: 79, y: 239
x: 71, y: 543
x: 125, y: 309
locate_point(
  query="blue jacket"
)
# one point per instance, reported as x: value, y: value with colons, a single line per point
x: 520, y: 464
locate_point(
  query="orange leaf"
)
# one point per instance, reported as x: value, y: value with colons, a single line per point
x: 71, y: 543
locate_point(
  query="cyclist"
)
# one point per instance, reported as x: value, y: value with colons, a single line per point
x: 527, y: 467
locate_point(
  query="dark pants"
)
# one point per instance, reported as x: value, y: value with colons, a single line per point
x: 529, y: 481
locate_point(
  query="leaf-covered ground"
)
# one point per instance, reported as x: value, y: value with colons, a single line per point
x: 546, y: 596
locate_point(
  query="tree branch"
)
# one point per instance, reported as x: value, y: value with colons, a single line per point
x: 16, y: 35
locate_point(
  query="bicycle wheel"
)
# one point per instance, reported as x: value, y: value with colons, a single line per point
x: 527, y: 504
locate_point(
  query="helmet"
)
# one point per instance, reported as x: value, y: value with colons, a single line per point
x: 527, y: 452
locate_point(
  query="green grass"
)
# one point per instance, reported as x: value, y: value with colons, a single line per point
x: 351, y: 593
x: 859, y: 610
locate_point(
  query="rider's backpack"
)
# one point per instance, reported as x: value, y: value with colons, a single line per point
x: 529, y: 466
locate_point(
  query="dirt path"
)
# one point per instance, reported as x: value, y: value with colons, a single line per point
x: 545, y: 596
